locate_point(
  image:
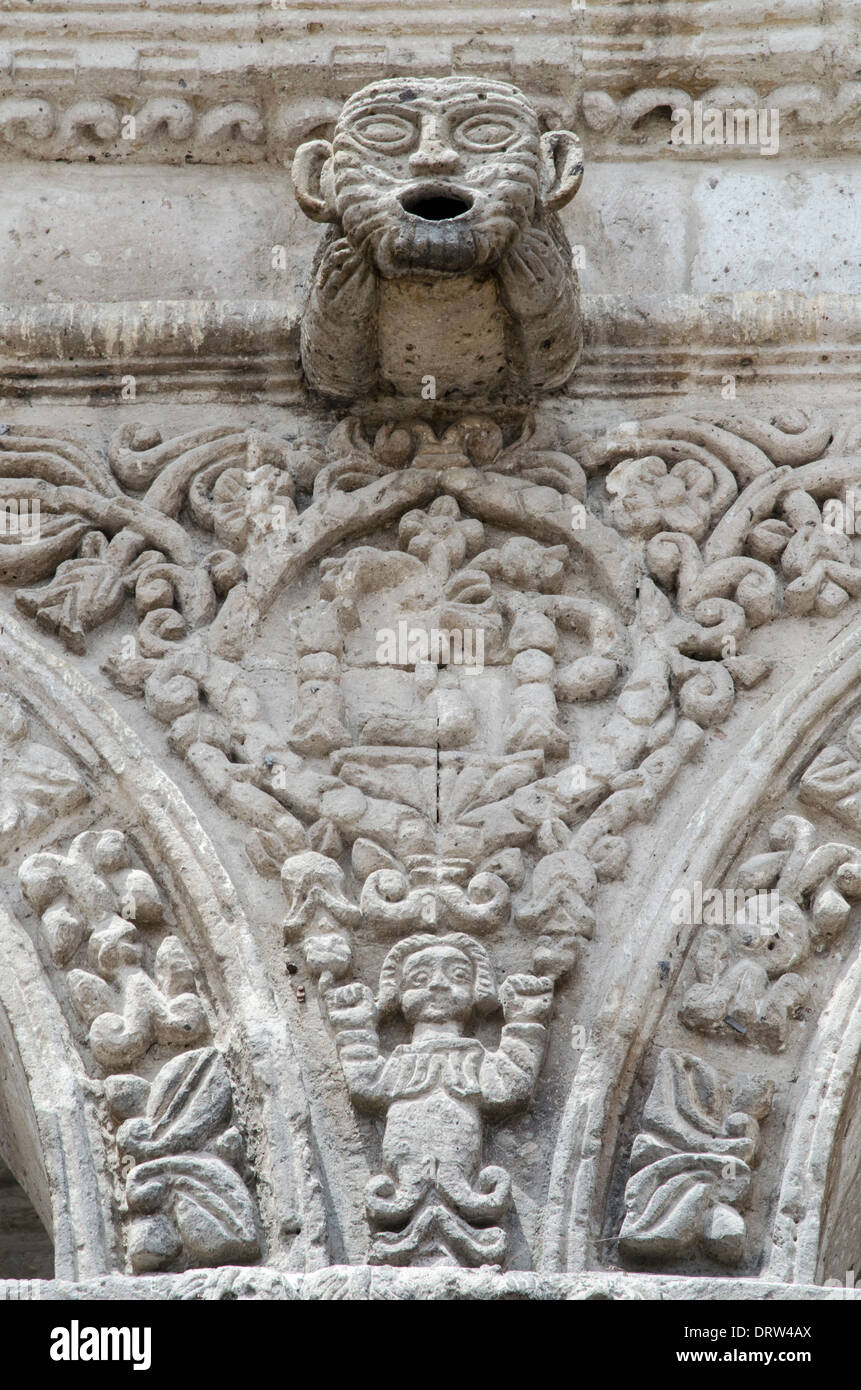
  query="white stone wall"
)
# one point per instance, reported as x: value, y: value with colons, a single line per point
x: 222, y: 809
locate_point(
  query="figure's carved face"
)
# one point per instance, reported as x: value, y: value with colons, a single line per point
x: 440, y: 175
x: 437, y: 986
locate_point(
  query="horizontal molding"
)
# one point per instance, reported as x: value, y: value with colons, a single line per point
x: 174, y: 349
x: 822, y: 118
x: 653, y: 345
x: 609, y: 67
x: 248, y: 350
x: 238, y: 123
x: 367, y: 1283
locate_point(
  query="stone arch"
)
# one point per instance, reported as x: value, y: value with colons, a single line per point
x: 818, y: 1223
x: 586, y: 1150
x: 52, y: 1141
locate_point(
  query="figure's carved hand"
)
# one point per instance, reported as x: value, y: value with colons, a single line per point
x: 339, y: 328
x: 345, y: 275
x: 526, y: 998
x: 531, y: 272
x: 351, y: 1006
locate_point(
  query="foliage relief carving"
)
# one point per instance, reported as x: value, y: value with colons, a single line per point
x: 621, y: 574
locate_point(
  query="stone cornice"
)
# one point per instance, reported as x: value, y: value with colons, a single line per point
x: 246, y: 81
x: 248, y: 350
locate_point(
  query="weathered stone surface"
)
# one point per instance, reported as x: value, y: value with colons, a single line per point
x: 429, y: 832
x: 445, y: 260
x: 370, y: 1283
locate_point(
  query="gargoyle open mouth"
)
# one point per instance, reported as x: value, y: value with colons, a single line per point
x: 436, y: 205
x: 435, y: 233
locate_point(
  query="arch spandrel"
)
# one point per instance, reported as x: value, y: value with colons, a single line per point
x: 135, y: 966
x: 804, y: 1043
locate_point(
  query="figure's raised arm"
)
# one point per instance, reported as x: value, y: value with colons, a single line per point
x: 507, y: 1076
x: 353, y: 1016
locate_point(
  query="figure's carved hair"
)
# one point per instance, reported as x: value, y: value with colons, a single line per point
x: 485, y: 997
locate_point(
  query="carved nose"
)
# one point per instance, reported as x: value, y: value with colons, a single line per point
x: 434, y: 157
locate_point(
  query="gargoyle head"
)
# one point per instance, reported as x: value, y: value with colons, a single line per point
x: 440, y: 175
x: 445, y: 265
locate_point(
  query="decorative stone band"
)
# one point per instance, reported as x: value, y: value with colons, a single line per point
x: 600, y: 60
x: 633, y: 123
x: 228, y: 350
x: 368, y: 1283
x: 723, y: 122
x: 244, y: 46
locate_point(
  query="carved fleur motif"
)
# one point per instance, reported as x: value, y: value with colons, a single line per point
x: 440, y: 535
x: 648, y: 496
x: 246, y: 504
x: 691, y: 1163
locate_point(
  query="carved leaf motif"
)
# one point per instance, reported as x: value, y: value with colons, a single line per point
x: 190, y: 1095
x: 63, y: 932
x: 691, y: 1164
x: 833, y: 779
x: 480, y: 784
x: 48, y: 779
x: 38, y: 783
x: 671, y: 1202
x: 84, y: 593
x: 173, y: 972
x: 266, y: 851
x: 368, y: 857
x: 206, y: 1203
x: 188, y: 1105
x: 45, y: 781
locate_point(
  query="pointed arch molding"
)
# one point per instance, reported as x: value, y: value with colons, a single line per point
x: 54, y: 1138
x: 794, y: 726
x: 58, y: 1108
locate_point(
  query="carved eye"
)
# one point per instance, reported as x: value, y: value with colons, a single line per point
x: 385, y: 132
x: 486, y: 132
x: 460, y: 975
x: 418, y: 977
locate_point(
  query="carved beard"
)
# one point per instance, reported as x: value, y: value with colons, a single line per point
x: 396, y: 243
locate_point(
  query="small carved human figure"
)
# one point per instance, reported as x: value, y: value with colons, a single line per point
x: 435, y: 1203
x: 446, y: 260
x: 534, y: 718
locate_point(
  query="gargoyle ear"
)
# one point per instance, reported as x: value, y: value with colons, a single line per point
x: 312, y: 180
x: 562, y: 167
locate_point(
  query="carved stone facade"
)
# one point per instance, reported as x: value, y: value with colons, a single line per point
x: 430, y: 832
